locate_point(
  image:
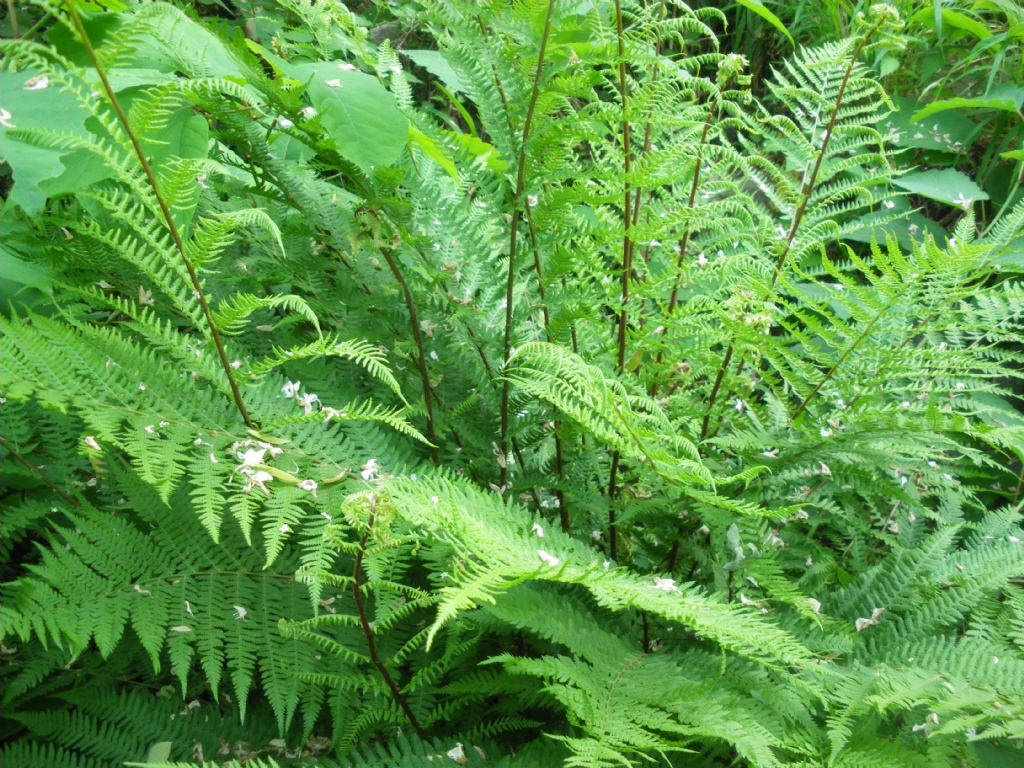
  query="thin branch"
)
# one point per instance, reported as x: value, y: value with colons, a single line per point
x: 513, y: 246
x: 165, y: 211
x: 371, y: 640
x: 12, y: 15
x: 807, y: 190
x: 36, y: 471
x: 421, y: 357
x: 627, y: 262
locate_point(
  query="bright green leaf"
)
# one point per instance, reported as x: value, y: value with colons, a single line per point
x: 756, y: 7
x: 357, y: 112
x: 945, y: 186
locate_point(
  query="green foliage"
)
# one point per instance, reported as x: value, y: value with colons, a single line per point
x: 497, y: 384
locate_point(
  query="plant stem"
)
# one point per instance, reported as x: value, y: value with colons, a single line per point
x: 12, y: 15
x: 165, y: 211
x: 627, y: 263
x: 35, y: 471
x: 371, y: 640
x: 421, y: 357
x: 517, y: 201
x: 806, y: 190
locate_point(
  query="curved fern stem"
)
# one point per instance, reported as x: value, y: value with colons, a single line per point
x: 371, y: 640
x: 6, y: 445
x: 807, y: 189
x: 627, y: 262
x: 684, y: 241
x: 165, y: 211
x: 421, y: 357
x: 513, y: 245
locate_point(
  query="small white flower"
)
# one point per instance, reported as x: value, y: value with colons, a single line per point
x: 90, y: 441
x: 1013, y: 539
x: 825, y: 432
x: 5, y: 118
x: 370, y: 470
x: 665, y: 585
x: 876, y: 616
x: 309, y: 485
x: 532, y: 200
x: 38, y: 83
x: 213, y: 458
x: 704, y: 530
x: 771, y: 454
x: 149, y: 429
x: 309, y: 112
x: 307, y: 401
x: 252, y: 457
x: 395, y: 69
x: 285, y: 529
x: 333, y: 83
x: 433, y: 355
x: 905, y: 405
x: 548, y: 558
x: 824, y: 470
x: 596, y: 534
x: 960, y: 386
x: 538, y: 530
x: 201, y: 181
x: 952, y: 242
x: 236, y: 364
x: 285, y: 123
x: 145, y: 297
x: 240, y: 612
x: 182, y: 629
x: 815, y: 604
x: 259, y: 479
x: 143, y: 387
x: 291, y: 388
x: 346, y: 67
x: 889, y: 204
x: 457, y: 754
x: 702, y: 260
x: 435, y: 500
x: 964, y: 202
x: 655, y: 243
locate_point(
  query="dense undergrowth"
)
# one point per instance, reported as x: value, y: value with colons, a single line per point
x: 511, y: 384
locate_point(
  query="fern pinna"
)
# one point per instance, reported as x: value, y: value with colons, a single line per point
x: 493, y: 384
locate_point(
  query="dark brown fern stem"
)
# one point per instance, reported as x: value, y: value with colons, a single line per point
x: 684, y: 241
x: 513, y: 245
x: 563, y: 511
x: 806, y: 190
x: 421, y: 355
x: 564, y: 516
x: 165, y: 211
x: 371, y: 640
x: 627, y: 264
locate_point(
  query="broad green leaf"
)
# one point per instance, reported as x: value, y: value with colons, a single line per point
x: 434, y: 151
x: 756, y: 7
x: 945, y: 186
x: 958, y: 103
x: 34, y: 108
x: 937, y: 18
x: 949, y: 131
x: 186, y: 135
x: 436, y: 64
x: 1016, y: 154
x: 357, y: 112
x: 480, y: 149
